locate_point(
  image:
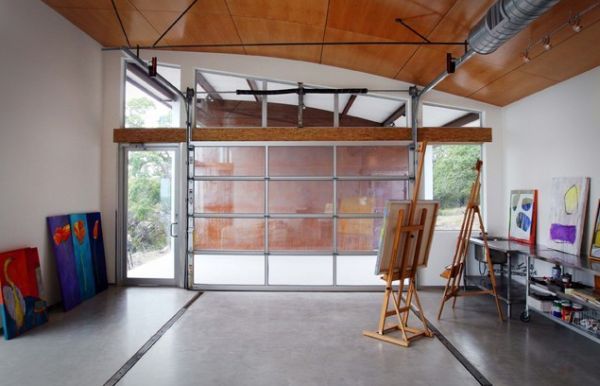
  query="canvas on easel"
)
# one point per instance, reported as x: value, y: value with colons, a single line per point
x: 414, y: 224
x: 388, y: 230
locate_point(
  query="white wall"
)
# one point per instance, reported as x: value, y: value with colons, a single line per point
x: 554, y: 133
x: 310, y: 73
x: 50, y: 119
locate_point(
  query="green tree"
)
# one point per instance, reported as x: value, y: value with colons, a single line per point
x: 453, y: 173
x: 148, y: 211
x: 136, y: 110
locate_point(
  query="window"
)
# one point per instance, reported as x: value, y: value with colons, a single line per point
x: 219, y: 105
x: 449, y: 169
x: 147, y: 102
x: 310, y: 215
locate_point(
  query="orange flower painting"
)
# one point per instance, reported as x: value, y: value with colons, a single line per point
x: 95, y: 231
x: 62, y: 234
x: 79, y: 230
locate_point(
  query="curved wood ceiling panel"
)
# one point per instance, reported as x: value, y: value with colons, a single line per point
x: 499, y: 78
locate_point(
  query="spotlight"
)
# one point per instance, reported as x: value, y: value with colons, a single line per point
x: 546, y: 43
x: 575, y: 23
x: 526, y: 58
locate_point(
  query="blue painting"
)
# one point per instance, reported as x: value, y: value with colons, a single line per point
x: 83, y: 256
x: 94, y: 224
x: 62, y: 245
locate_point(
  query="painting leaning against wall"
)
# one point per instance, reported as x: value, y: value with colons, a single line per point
x: 22, y: 303
x: 522, y: 216
x: 595, y: 249
x: 567, y: 213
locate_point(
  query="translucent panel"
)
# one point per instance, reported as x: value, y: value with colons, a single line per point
x: 229, y: 197
x: 228, y: 113
x: 301, y: 161
x: 372, y: 161
x: 229, y: 269
x: 436, y: 116
x: 230, y: 161
x: 228, y: 83
x: 300, y: 197
x: 301, y: 270
x: 358, y: 234
x: 373, y: 108
x: 229, y: 234
x: 318, y: 111
x: 311, y: 234
x: 368, y: 196
x: 357, y: 270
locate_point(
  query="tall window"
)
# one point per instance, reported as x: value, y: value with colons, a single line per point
x: 449, y: 172
x: 147, y: 102
x: 293, y: 215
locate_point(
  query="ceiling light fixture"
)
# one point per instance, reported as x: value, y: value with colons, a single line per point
x: 575, y: 23
x: 526, y: 58
x: 546, y: 43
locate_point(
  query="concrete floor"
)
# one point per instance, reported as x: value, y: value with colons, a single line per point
x: 261, y: 338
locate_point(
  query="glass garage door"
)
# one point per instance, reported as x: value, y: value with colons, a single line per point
x: 287, y: 217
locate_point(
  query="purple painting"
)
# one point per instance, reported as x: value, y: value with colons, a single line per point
x: 94, y: 225
x: 567, y: 214
x: 62, y: 245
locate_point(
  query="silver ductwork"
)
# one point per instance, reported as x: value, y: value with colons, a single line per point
x: 504, y: 20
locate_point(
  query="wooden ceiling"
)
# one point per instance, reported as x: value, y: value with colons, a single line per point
x: 499, y: 78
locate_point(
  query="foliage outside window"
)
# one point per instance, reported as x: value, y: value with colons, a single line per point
x: 453, y: 176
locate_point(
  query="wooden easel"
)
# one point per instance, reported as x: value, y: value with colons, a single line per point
x: 454, y: 272
x: 402, y: 305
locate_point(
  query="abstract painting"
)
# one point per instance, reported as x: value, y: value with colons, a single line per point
x: 22, y: 303
x: 94, y: 224
x: 62, y: 245
x: 522, y: 216
x: 83, y: 256
x: 595, y: 250
x: 567, y: 213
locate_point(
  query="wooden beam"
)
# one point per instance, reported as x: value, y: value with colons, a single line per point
x: 395, y: 115
x: 348, y: 105
x: 201, y: 80
x: 454, y: 134
x: 462, y: 120
x: 254, y: 87
x: 429, y: 134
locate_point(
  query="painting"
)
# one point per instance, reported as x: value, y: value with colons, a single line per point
x: 22, y: 303
x: 94, y: 224
x: 567, y: 213
x: 595, y: 249
x: 388, y: 232
x: 523, y: 216
x: 62, y: 245
x: 83, y: 255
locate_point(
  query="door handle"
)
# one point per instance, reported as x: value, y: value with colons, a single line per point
x: 171, y: 229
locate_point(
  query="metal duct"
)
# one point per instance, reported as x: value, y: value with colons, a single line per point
x: 504, y: 20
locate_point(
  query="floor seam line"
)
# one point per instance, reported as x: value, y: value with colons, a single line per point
x: 134, y: 359
x: 479, y: 377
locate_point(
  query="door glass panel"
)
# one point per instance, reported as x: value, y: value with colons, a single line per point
x: 230, y: 161
x: 301, y: 270
x: 300, y: 197
x: 368, y: 196
x: 293, y: 234
x: 230, y: 197
x: 150, y: 213
x: 358, y: 234
x: 229, y: 269
x: 300, y: 161
x: 229, y: 234
x: 372, y: 161
x: 357, y: 270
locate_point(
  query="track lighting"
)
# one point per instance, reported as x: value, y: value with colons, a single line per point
x: 575, y: 23
x: 546, y: 43
x: 526, y: 58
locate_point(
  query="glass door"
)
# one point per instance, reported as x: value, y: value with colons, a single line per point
x: 151, y: 218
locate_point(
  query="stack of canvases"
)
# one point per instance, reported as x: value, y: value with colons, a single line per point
x: 22, y: 303
x: 79, y: 250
